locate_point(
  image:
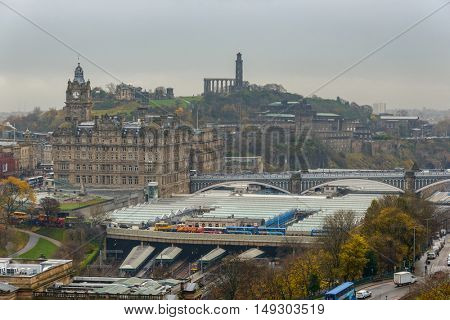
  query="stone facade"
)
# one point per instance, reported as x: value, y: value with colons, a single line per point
x: 26, y: 156
x: 124, y: 92
x: 8, y: 164
x: 110, y: 153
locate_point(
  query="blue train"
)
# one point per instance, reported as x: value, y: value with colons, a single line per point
x: 255, y: 230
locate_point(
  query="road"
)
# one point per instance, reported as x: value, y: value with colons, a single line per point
x: 387, y: 289
x: 440, y: 263
x: 32, y: 241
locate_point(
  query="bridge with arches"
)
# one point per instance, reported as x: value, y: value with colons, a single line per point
x: 423, y: 182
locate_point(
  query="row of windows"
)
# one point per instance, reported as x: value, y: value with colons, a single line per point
x: 107, y: 179
x: 133, y: 141
x: 109, y: 167
x: 116, y: 156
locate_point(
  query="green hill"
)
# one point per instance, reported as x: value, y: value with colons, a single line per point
x: 212, y: 108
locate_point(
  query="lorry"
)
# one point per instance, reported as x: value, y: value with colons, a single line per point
x: 404, y: 278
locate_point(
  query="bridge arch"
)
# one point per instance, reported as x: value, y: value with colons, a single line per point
x: 364, y: 185
x: 442, y: 185
x: 231, y: 183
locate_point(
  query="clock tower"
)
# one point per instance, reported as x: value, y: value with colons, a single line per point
x: 78, y: 106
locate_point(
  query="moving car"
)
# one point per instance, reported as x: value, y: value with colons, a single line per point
x: 404, y: 278
x: 363, y: 294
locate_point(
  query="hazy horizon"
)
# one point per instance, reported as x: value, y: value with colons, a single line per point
x: 299, y: 45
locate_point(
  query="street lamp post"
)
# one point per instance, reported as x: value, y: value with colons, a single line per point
x: 428, y: 238
x: 414, y: 251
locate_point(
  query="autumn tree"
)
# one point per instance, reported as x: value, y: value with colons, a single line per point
x: 435, y: 287
x: 307, y: 273
x: 337, y: 227
x: 391, y: 234
x: 51, y: 206
x: 15, y: 194
x: 353, y: 257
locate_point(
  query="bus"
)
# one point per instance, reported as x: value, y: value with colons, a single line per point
x: 345, y: 291
x: 240, y: 230
x: 35, y: 182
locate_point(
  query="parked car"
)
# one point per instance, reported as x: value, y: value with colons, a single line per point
x: 431, y: 255
x: 363, y: 294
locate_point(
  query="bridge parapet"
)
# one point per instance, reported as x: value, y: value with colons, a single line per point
x: 307, y: 180
x: 208, y: 239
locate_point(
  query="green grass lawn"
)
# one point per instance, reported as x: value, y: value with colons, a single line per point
x: 76, y: 205
x: 15, y: 241
x: 127, y: 108
x: 179, y: 101
x: 44, y: 247
x: 54, y: 233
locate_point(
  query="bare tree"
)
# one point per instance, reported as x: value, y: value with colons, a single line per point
x: 50, y: 206
x: 98, y: 215
x: 111, y: 87
x: 234, y: 279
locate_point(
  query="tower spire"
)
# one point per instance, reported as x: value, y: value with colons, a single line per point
x: 79, y: 74
x: 239, y: 72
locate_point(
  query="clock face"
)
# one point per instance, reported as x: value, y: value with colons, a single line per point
x: 76, y: 94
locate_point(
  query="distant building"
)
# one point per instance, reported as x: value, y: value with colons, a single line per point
x: 26, y: 155
x: 124, y: 92
x: 30, y: 276
x: 109, y: 153
x: 169, y: 93
x: 400, y: 126
x: 226, y: 85
x: 107, y: 288
x: 8, y: 164
x: 379, y: 108
x: 159, y: 94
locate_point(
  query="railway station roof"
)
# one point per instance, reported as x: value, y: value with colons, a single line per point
x: 250, y: 254
x: 213, y: 255
x: 168, y: 254
x: 136, y: 257
x: 224, y: 204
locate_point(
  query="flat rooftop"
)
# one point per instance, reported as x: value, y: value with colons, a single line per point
x: 129, y: 286
x: 399, y: 118
x: 12, y: 267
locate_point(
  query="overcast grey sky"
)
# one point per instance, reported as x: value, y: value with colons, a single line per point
x: 299, y: 44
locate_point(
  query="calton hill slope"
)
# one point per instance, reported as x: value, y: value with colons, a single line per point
x: 239, y: 107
